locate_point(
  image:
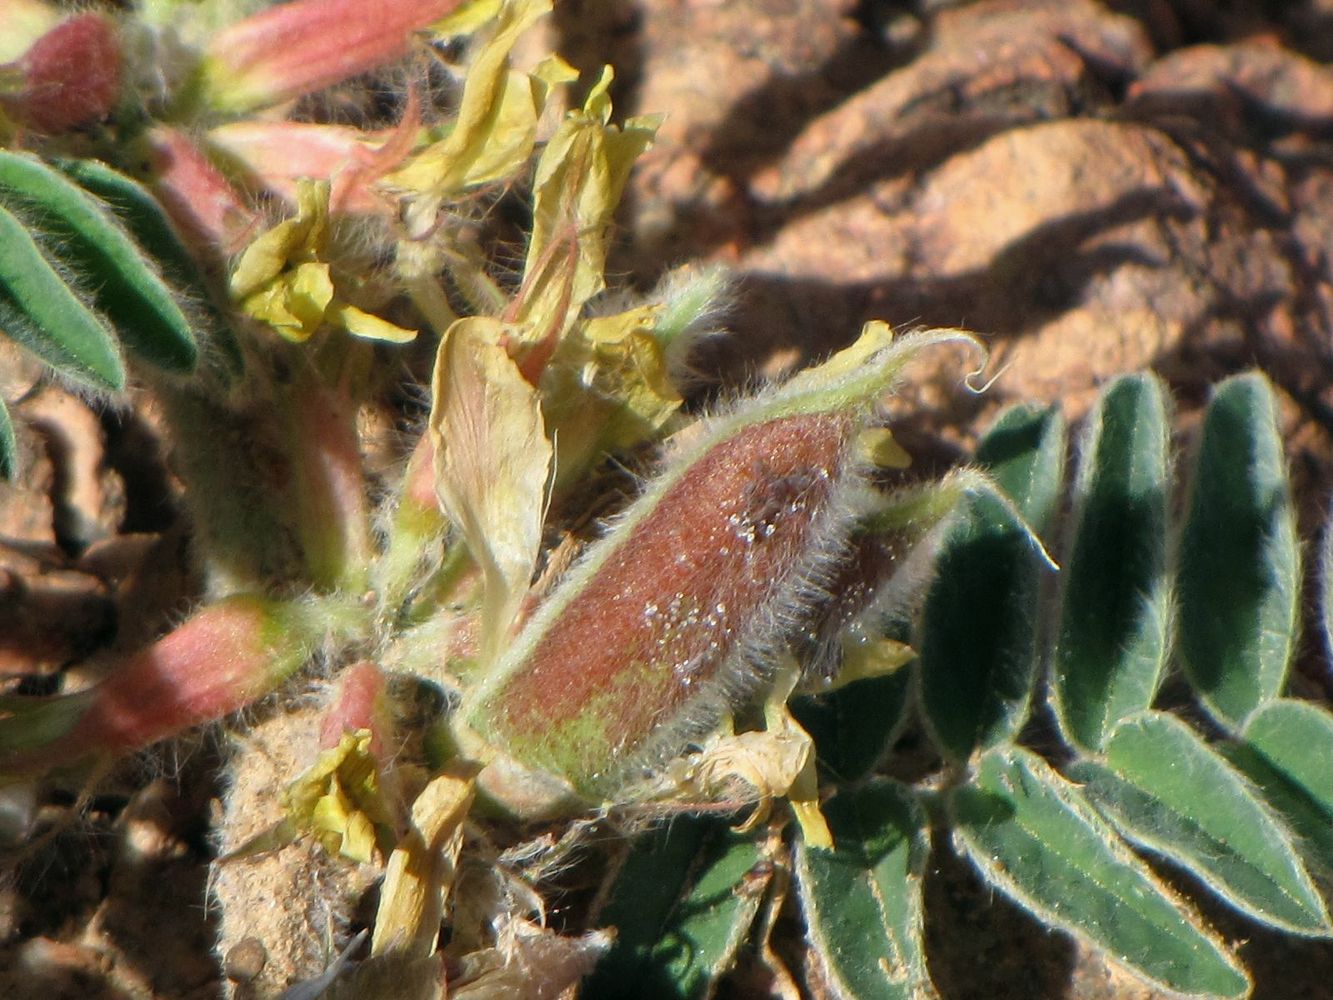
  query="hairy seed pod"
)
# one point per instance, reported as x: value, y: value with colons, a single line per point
x: 674, y: 618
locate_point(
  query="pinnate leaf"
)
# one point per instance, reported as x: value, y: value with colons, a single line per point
x: 144, y: 218
x: 1165, y: 789
x: 38, y: 309
x: 92, y: 247
x: 1024, y: 452
x: 1287, y: 751
x: 978, y: 634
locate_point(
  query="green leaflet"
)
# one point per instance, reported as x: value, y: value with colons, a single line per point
x: 978, y: 639
x: 9, y: 446
x: 142, y: 215
x: 1035, y: 838
x: 1024, y: 452
x: 681, y: 909
x: 978, y: 636
x: 1288, y: 752
x: 88, y: 243
x: 38, y: 310
x: 1239, y: 570
x: 1166, y: 790
x: 1115, y: 612
x: 862, y: 902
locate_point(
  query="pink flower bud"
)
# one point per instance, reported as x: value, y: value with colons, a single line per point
x: 220, y: 660
x: 359, y: 703
x: 71, y: 75
x: 204, y: 205
x: 295, y: 48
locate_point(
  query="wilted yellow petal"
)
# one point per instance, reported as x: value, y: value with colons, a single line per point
x: 466, y: 18
x: 607, y: 388
x: 279, y: 278
x: 294, y: 304
x: 877, y: 446
x: 282, y: 279
x: 496, y: 126
x: 360, y: 323
x: 553, y: 71
x: 421, y: 870
x: 778, y: 761
x: 492, y: 463
x: 265, y: 258
x: 339, y: 799
x: 803, y: 792
x: 580, y: 178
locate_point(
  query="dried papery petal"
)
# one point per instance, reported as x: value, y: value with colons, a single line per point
x: 492, y: 461
x: 71, y: 75
x: 675, y: 616
x: 296, y: 48
x: 421, y: 870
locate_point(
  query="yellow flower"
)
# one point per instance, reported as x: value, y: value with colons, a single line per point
x: 283, y: 280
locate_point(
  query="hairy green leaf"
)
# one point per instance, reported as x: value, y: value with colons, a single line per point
x: 1165, y: 789
x: 9, y: 447
x: 38, y: 310
x: 977, y: 640
x: 681, y: 908
x: 1035, y: 838
x: 862, y: 902
x: 142, y: 215
x: 1288, y: 753
x: 1239, y: 576
x: 1024, y: 452
x: 1115, y: 611
x: 88, y: 242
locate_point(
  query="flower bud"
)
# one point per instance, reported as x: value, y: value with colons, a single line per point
x: 299, y: 47
x: 225, y: 657
x: 71, y: 75
x: 205, y: 206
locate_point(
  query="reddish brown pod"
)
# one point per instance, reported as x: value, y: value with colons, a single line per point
x: 677, y: 614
